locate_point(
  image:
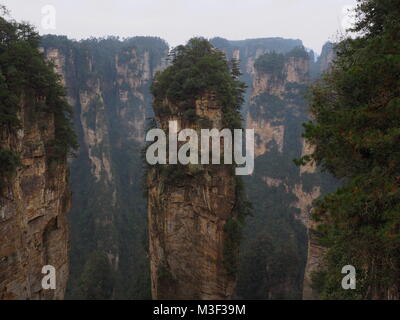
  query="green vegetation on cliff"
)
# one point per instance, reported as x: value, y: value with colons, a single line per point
x: 96, y: 281
x: 198, y: 68
x: 26, y: 79
x: 356, y: 134
x: 274, y: 248
x: 108, y: 80
x: 273, y: 63
x: 9, y: 162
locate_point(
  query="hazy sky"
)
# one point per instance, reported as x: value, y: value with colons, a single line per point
x: 176, y: 21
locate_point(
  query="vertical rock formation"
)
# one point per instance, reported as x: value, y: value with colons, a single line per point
x: 187, y: 215
x: 326, y: 58
x: 33, y: 207
x: 276, y: 112
x: 108, y: 82
x: 195, y: 211
x: 35, y: 139
x: 248, y: 51
x: 108, y: 86
x: 274, y: 250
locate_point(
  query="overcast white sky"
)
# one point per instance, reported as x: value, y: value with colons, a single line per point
x: 176, y: 21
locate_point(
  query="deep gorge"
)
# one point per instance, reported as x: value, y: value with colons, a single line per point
x: 108, y: 85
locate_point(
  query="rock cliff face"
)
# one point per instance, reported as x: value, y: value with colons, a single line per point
x: 108, y: 82
x: 187, y: 215
x: 33, y: 207
x: 277, y: 110
x: 326, y: 58
x: 108, y: 85
x: 277, y: 72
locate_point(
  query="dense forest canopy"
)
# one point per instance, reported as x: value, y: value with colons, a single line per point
x: 198, y: 68
x: 356, y: 133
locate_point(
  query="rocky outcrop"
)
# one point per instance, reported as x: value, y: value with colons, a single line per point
x: 108, y: 83
x: 326, y: 58
x: 277, y: 72
x: 270, y: 128
x: 188, y: 208
x: 276, y: 112
x: 33, y: 208
x: 108, y: 86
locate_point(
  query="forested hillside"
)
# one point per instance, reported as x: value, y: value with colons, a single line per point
x: 356, y: 134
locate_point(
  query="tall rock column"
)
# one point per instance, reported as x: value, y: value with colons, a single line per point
x: 275, y: 247
x: 194, y: 210
x: 33, y: 207
x: 188, y: 208
x: 35, y: 138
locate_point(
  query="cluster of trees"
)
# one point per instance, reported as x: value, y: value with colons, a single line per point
x: 270, y: 63
x: 273, y: 62
x: 356, y: 133
x: 198, y: 68
x: 27, y: 79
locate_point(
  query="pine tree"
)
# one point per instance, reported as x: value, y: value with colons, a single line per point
x: 356, y: 133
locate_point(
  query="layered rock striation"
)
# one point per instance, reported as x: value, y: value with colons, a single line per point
x: 34, y: 204
x: 108, y: 82
x: 274, y: 251
x: 188, y: 209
